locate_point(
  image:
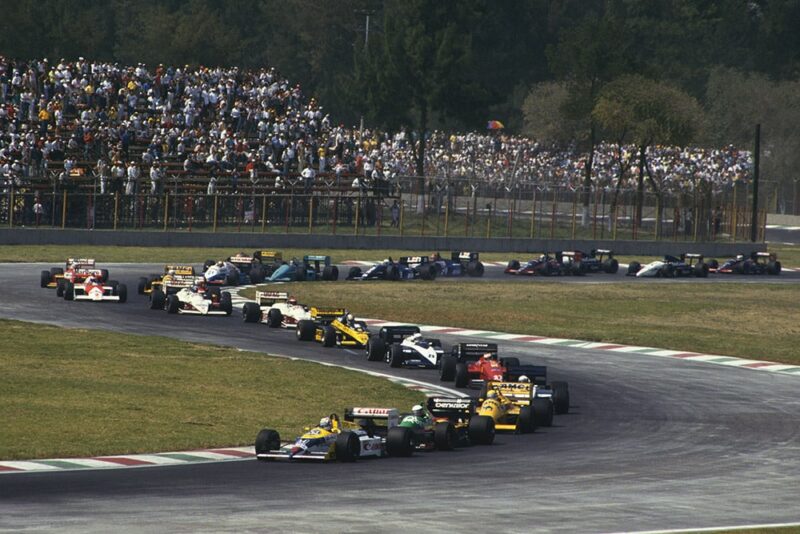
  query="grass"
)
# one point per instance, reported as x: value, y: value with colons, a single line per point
x: 745, y: 320
x: 77, y: 393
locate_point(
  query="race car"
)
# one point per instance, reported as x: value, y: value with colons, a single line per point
x: 404, y: 346
x: 275, y: 309
x: 471, y: 428
x: 363, y: 433
x: 334, y: 327
x: 754, y: 263
x: 75, y: 270
x: 196, y: 300
x: 385, y: 270
x: 174, y: 278
x: 311, y: 268
x: 222, y: 273
x: 429, y: 433
x: 597, y: 261
x: 671, y: 267
x: 94, y: 289
x: 459, y: 264
x: 544, y: 265
x: 251, y: 270
x: 517, y: 406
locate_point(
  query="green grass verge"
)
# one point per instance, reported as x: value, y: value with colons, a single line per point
x: 745, y: 320
x: 78, y: 393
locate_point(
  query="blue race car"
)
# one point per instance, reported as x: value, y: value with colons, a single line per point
x: 387, y: 270
x: 459, y: 264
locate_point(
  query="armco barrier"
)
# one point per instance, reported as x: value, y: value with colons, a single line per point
x: 247, y: 240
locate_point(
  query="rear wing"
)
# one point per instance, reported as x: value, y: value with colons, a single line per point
x: 184, y: 270
x: 515, y: 391
x: 473, y: 351
x: 451, y: 407
x: 180, y: 280
x: 390, y: 415
x: 80, y: 262
x: 394, y: 334
x: 572, y: 255
x: 268, y: 256
x: 313, y: 258
x: 693, y: 255
x: 327, y: 315
x: 536, y: 373
x: 268, y: 298
x: 413, y: 260
x: 464, y: 256
x: 241, y: 259
x: 769, y: 255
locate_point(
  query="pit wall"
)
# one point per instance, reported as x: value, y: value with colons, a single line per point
x: 310, y: 242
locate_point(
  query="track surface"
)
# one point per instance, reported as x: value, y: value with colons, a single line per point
x: 651, y: 443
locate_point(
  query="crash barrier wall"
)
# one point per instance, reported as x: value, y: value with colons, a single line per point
x: 404, y: 206
x: 310, y: 242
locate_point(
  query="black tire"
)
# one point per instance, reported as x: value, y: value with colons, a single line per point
x: 300, y: 273
x: 713, y: 264
x: 634, y: 267
x: 122, y: 293
x: 560, y: 397
x: 611, y: 266
x: 526, y: 422
x: 44, y: 278
x: 542, y: 411
x: 157, y: 299
x: 376, y: 349
x: 274, y: 318
x: 231, y: 279
x: 256, y: 273
x: 142, y: 285
x: 173, y: 303
x: 60, y: 283
x: 513, y: 264
x: 68, y: 290
x: 391, y: 273
x: 305, y: 330
x: 395, y: 356
x: 475, y: 268
x: 348, y: 447
x: 739, y: 268
x: 774, y: 268
x: 510, y: 362
x: 113, y: 284
x: 481, y: 430
x: 103, y: 275
x: 225, y: 303
x: 427, y: 272
x: 462, y: 375
x: 355, y: 272
x: 56, y: 270
x: 330, y: 273
x: 447, y: 373
x: 251, y: 312
x: 267, y: 440
x: 444, y: 436
x: 207, y: 264
x: 399, y: 441
x: 700, y: 270
x: 328, y: 336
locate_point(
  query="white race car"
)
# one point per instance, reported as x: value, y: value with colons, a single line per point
x: 404, y: 346
x: 194, y: 301
x: 275, y: 309
x: 94, y: 289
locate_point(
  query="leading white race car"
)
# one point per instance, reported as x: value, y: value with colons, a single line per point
x: 94, y: 289
x: 195, y: 300
x: 275, y: 309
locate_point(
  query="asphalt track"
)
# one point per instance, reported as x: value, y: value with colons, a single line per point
x: 650, y: 444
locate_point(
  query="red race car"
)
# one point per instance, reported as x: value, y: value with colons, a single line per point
x: 76, y: 270
x: 472, y: 364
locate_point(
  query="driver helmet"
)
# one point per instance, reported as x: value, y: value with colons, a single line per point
x: 325, y: 423
x: 415, y: 337
x: 418, y: 410
x: 171, y: 272
x: 220, y: 263
x: 524, y: 378
x: 491, y: 395
x: 487, y: 356
x: 199, y: 284
x: 349, y: 318
x: 292, y: 300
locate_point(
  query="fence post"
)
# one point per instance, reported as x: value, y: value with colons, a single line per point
x: 358, y: 211
x: 533, y: 212
x: 402, y: 215
x: 310, y: 213
x: 263, y: 213
x: 574, y: 209
x: 446, y: 217
x: 553, y: 215
x: 166, y: 209
x: 216, y: 207
x: 11, y: 206
x: 64, y: 211
x: 116, y: 209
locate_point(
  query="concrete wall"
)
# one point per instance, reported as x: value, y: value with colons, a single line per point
x: 30, y: 236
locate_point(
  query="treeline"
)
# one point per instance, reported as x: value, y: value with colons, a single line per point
x: 540, y: 66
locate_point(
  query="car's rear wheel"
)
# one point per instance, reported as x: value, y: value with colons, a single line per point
x: 60, y: 283
x: 543, y: 411
x: 391, y: 273
x: 122, y: 292
x: 173, y: 303
x: 251, y: 312
x: 157, y: 299
x: 399, y: 441
x: 328, y: 336
x: 225, y: 303
x: 462, y: 375
x: 447, y: 372
x: 330, y: 273
x: 267, y: 440
x: 395, y: 356
x: 68, y: 290
x: 713, y: 264
x: 611, y: 266
x: 560, y: 397
x: 634, y: 267
x: 774, y: 268
x: 44, y: 278
x: 700, y: 269
x: 475, y: 268
x: 257, y: 273
x: 513, y: 264
x: 305, y: 330
x: 348, y: 448
x: 355, y: 272
x: 376, y: 349
x: 274, y: 318
x: 481, y: 430
x: 444, y: 436
x: 525, y: 420
x: 142, y: 285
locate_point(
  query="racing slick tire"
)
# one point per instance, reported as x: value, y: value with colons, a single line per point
x: 444, y: 436
x: 510, y: 362
x: 68, y: 290
x: 122, y: 292
x: 355, y: 272
x: 56, y: 270
x: 274, y: 318
x: 542, y: 411
x: 475, y: 268
x: 739, y: 268
x: 251, y: 312
x: 45, y: 278
x: 232, y: 279
x: 447, y: 373
x: 526, y: 420
x: 634, y: 267
x: 713, y: 264
x: 157, y: 299
x: 513, y: 264
x: 394, y: 357
x: 305, y: 330
x: 225, y: 303
x: 60, y: 287
x: 104, y: 275
x: 774, y: 268
x: 142, y: 285
x: 391, y: 273
x: 481, y: 430
x: 328, y: 336
x: 330, y: 273
x: 427, y: 272
x: 611, y: 266
x: 267, y: 440
x: 560, y: 397
x: 173, y: 303
x: 399, y: 441
x: 376, y: 349
x: 256, y: 273
x: 348, y: 447
x: 462, y: 375
x: 700, y: 270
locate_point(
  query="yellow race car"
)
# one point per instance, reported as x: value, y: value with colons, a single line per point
x: 333, y: 327
x: 517, y: 406
x: 174, y: 278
